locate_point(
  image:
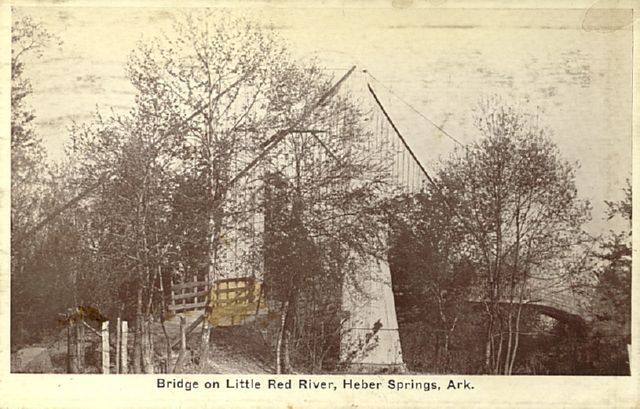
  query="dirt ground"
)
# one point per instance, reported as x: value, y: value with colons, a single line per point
x: 232, y: 350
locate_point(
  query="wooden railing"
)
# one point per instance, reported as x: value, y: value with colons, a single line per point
x: 231, y: 300
x: 187, y: 296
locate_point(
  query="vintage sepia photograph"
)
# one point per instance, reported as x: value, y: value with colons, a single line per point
x: 321, y: 190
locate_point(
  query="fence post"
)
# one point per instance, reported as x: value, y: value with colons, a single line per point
x: 80, y: 344
x: 183, y: 346
x: 124, y: 366
x: 72, y: 350
x: 118, y: 345
x: 105, y: 347
x: 173, y: 300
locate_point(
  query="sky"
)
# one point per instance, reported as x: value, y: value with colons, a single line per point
x: 430, y: 66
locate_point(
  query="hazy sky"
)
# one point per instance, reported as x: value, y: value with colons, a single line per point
x: 441, y: 62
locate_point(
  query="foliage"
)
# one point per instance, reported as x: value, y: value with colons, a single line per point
x: 466, y: 253
x: 126, y: 232
x: 33, y: 190
x: 209, y: 94
x: 432, y: 274
x: 515, y: 216
x: 322, y: 227
x: 611, y: 304
x: 28, y: 171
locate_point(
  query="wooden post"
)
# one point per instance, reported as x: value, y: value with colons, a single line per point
x: 185, y: 290
x: 124, y: 366
x: 68, y: 348
x: 173, y: 301
x: 118, y: 345
x: 80, y: 344
x: 183, y: 346
x: 195, y: 289
x: 72, y: 351
x: 163, y: 312
x: 105, y: 347
x: 204, y: 337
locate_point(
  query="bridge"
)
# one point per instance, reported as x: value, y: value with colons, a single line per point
x: 559, y: 306
x: 370, y: 336
x: 319, y: 141
x: 562, y: 306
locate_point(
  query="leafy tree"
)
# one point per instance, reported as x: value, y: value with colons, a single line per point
x: 324, y: 225
x: 28, y: 39
x: 233, y: 86
x: 211, y: 74
x: 431, y: 278
x: 611, y: 304
x: 515, y: 201
x: 209, y: 95
x: 30, y: 179
x: 128, y: 215
x: 27, y: 152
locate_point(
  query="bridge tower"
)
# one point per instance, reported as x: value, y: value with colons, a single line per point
x: 369, y: 337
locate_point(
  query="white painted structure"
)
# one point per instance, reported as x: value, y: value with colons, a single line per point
x: 370, y: 340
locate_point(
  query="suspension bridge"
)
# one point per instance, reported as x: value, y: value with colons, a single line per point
x: 369, y: 337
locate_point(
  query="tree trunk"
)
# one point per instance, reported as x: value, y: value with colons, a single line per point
x: 488, y: 352
x: 280, y: 342
x: 167, y: 341
x: 163, y: 309
x: 517, y: 339
x: 286, y: 354
x: 147, y: 348
x: 137, y: 341
x: 289, y: 323
x: 204, y: 344
x: 214, y: 225
x: 496, y: 367
x: 436, y: 353
x: 509, y: 341
x: 183, y: 347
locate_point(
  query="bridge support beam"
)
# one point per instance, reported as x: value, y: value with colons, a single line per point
x: 370, y: 340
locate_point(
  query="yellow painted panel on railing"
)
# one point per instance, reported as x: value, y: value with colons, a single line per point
x: 235, y: 301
